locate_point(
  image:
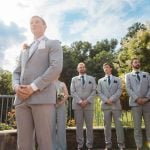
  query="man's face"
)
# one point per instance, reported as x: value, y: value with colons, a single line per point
x: 136, y: 64
x: 81, y: 68
x: 37, y: 26
x: 107, y: 69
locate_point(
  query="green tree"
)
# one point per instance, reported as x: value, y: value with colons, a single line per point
x: 134, y: 29
x: 137, y: 46
x: 5, y: 82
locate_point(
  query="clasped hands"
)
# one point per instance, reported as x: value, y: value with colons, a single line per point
x: 109, y: 102
x: 23, y: 91
x: 141, y: 101
x: 83, y: 103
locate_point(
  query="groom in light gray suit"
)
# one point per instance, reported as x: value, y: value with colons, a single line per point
x: 83, y: 90
x: 138, y: 88
x: 109, y: 90
x: 33, y: 81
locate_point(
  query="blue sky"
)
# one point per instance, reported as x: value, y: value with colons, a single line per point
x: 68, y: 21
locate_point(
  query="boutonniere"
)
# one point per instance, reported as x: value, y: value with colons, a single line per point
x: 105, y: 80
x: 144, y: 76
x: 90, y: 82
x: 115, y: 81
x: 25, y: 46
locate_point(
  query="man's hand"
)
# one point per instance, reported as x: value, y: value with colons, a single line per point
x: 24, y: 91
x: 141, y: 101
x: 84, y: 103
x: 109, y: 102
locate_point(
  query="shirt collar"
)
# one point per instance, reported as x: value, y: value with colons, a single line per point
x: 82, y: 75
x: 39, y: 39
x: 108, y: 75
x: 134, y: 71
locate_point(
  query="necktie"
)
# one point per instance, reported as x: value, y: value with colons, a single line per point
x: 138, y: 77
x: 33, y: 47
x: 83, y: 81
x: 109, y: 81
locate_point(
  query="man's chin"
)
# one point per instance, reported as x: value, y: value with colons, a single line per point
x: 137, y: 67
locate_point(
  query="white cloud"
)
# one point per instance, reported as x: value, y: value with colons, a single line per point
x: 102, y: 19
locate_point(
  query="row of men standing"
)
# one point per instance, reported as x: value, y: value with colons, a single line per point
x: 109, y: 88
x: 34, y: 77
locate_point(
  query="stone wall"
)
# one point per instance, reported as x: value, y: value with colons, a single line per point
x: 99, y: 138
x: 8, y: 138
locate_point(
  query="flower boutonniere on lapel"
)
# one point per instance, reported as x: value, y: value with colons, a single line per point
x: 115, y: 81
x: 144, y: 76
x: 105, y: 80
x: 25, y: 47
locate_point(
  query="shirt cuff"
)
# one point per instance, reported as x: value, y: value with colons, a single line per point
x: 34, y: 87
x: 15, y: 86
x: 80, y: 101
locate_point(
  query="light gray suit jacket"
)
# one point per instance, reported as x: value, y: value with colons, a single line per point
x: 135, y: 89
x: 112, y: 91
x: 41, y: 68
x: 80, y: 92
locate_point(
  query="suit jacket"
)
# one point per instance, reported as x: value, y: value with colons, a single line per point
x: 112, y: 91
x: 136, y: 89
x: 41, y: 68
x: 83, y: 92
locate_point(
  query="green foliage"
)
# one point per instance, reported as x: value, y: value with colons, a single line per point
x: 136, y: 46
x: 5, y: 82
x: 134, y: 29
x: 124, y: 98
x: 4, y: 126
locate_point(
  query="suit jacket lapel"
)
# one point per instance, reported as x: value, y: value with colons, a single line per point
x: 105, y: 82
x: 34, y: 50
x: 36, y: 47
x: 79, y: 81
x: 134, y: 76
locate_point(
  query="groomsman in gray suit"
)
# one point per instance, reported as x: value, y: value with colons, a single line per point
x: 33, y: 81
x: 83, y: 90
x: 138, y: 88
x: 109, y: 90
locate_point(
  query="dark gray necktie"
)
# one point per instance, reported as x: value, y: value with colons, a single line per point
x: 138, y: 76
x: 83, y: 80
x: 109, y: 81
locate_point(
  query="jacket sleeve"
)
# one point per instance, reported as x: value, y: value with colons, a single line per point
x: 148, y: 92
x: 102, y: 96
x: 17, y: 73
x: 74, y: 94
x: 129, y: 89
